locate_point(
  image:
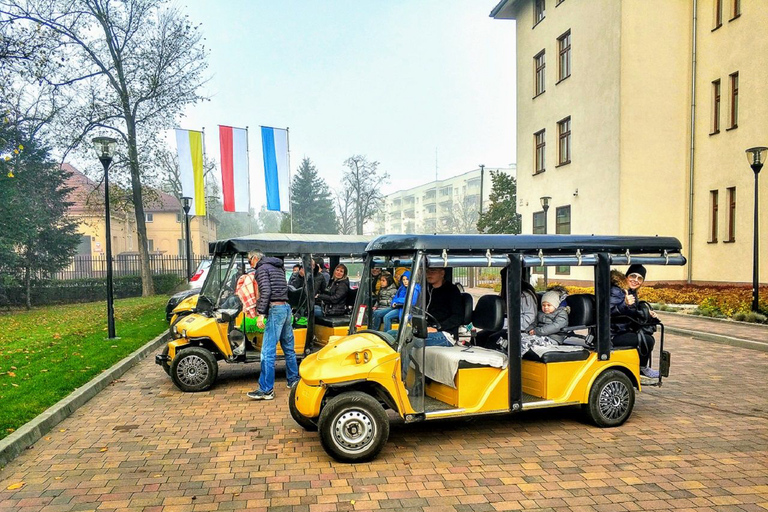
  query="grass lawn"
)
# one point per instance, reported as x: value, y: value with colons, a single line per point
x: 48, y: 352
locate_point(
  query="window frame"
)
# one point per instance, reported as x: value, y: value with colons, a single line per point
x: 150, y: 245
x: 731, y: 215
x: 563, y: 137
x: 149, y: 217
x: 733, y: 112
x: 716, y: 105
x: 736, y: 10
x: 539, y: 11
x: 713, y: 215
x: 564, y: 55
x: 563, y: 270
x: 540, y: 151
x: 717, y: 15
x: 539, y: 74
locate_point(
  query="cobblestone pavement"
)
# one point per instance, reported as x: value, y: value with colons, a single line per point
x: 742, y: 330
x: 700, y: 442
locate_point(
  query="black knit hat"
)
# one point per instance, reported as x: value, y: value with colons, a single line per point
x: 636, y: 269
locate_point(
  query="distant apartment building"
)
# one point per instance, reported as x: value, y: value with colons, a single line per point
x: 634, y: 117
x: 450, y: 205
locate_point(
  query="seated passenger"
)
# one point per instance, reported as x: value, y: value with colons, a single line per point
x: 550, y: 321
x: 625, y: 332
x: 387, y: 315
x: 528, y: 302
x: 334, y: 299
x: 296, y: 280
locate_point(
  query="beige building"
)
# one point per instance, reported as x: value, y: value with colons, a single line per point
x: 634, y: 117
x: 451, y: 205
x: 164, y: 222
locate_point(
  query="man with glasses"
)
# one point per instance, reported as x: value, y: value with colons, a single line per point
x: 625, y: 329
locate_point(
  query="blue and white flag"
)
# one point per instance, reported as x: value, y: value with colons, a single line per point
x: 274, y: 143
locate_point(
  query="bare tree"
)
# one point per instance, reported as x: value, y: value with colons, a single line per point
x: 465, y: 213
x: 345, y: 211
x: 362, y: 186
x: 130, y: 67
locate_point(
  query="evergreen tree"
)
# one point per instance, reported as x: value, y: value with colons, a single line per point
x: 311, y: 202
x: 36, y: 235
x: 501, y: 216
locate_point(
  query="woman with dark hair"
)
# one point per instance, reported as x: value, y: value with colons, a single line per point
x: 334, y: 298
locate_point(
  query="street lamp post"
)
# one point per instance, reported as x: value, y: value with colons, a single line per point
x: 105, y: 149
x: 187, y: 203
x: 756, y: 157
x: 545, y: 206
x: 482, y: 175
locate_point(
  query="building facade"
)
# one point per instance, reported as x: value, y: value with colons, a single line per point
x: 634, y: 117
x: 450, y: 205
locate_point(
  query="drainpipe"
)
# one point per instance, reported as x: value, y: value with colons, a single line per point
x: 693, y: 134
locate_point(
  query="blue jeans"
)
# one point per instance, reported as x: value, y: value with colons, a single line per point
x: 387, y: 315
x: 279, y: 327
x: 433, y: 339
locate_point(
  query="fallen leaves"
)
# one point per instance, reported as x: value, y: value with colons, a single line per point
x: 16, y: 486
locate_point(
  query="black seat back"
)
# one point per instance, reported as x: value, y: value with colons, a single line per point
x: 582, y: 309
x: 489, y: 313
x: 350, y: 299
x: 466, y: 302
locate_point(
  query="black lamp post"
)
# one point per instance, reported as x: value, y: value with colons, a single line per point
x: 545, y: 206
x: 187, y: 202
x: 756, y: 157
x: 482, y: 173
x: 105, y: 149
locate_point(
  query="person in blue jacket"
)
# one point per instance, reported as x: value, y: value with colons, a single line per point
x: 386, y: 316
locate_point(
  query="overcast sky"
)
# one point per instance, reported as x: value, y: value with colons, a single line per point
x: 400, y: 81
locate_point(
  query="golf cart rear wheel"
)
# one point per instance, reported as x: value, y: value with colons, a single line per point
x: 611, y: 399
x: 353, y: 427
x: 194, y: 369
x: 305, y: 423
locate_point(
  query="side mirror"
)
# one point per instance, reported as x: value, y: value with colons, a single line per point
x: 420, y: 327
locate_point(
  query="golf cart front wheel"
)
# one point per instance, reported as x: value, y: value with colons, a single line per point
x: 353, y: 427
x: 194, y: 369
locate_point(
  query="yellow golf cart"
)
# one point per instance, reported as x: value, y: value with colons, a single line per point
x: 346, y: 387
x: 214, y: 327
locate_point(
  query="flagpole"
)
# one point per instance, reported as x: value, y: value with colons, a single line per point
x: 290, y: 203
x: 248, y: 165
x: 205, y: 199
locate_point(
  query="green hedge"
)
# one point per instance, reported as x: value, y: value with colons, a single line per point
x: 86, y: 290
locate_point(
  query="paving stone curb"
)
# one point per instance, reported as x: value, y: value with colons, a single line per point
x: 32, y: 431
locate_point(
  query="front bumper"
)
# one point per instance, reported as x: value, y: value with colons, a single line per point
x: 162, y: 358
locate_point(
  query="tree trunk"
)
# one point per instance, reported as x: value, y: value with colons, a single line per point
x: 28, y: 285
x: 147, y: 286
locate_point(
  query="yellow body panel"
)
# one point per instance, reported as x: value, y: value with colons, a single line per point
x: 323, y: 333
x: 184, y: 306
x: 299, y: 341
x: 473, y: 391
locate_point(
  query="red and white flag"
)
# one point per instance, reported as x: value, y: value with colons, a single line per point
x: 234, y: 168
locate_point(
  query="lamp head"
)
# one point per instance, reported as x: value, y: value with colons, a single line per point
x: 105, y: 147
x: 186, y: 202
x: 545, y: 202
x: 756, y: 157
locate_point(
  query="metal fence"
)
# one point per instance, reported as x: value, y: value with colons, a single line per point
x: 82, y: 267
x: 473, y: 277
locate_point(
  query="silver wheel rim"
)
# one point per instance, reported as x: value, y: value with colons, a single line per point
x: 614, y: 400
x: 192, y: 370
x: 353, y: 431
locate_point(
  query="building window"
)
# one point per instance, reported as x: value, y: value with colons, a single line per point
x: 538, y: 11
x: 539, y: 67
x: 563, y: 227
x: 564, y: 64
x: 538, y: 223
x: 539, y: 140
x: 182, y: 247
x: 564, y: 141
x: 718, y: 18
x: 713, y: 199
x: 736, y: 10
x: 715, y: 107
x: 731, y: 214
x: 150, y: 245
x: 178, y: 218
x: 149, y: 217
x: 734, y: 101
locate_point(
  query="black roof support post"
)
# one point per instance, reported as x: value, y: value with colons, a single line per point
x: 309, y: 289
x: 603, y: 299
x: 514, y: 367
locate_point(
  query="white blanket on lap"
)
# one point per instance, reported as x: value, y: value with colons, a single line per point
x: 442, y: 363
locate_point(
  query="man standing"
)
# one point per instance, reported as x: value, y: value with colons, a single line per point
x: 273, y: 302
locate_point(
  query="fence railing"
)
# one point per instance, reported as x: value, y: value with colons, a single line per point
x: 82, y: 267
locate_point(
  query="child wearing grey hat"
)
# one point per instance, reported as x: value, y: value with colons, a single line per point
x: 552, y: 319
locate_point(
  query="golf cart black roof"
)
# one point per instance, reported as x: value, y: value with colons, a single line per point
x: 284, y: 244
x: 525, y: 244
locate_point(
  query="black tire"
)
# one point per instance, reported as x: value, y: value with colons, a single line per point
x: 305, y: 423
x: 194, y: 369
x: 353, y: 427
x: 166, y: 365
x: 611, y: 399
